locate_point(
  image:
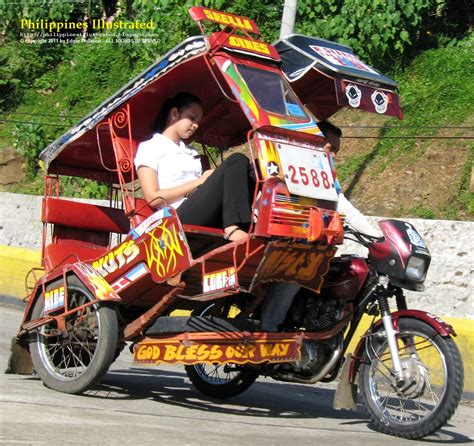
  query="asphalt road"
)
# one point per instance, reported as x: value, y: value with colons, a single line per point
x: 140, y: 406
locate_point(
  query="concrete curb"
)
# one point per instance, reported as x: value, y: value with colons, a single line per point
x: 12, y: 302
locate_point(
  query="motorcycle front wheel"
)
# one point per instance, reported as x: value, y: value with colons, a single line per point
x: 221, y: 380
x: 433, y: 380
x: 72, y: 361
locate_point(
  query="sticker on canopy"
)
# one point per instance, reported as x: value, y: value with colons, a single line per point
x: 307, y: 172
x: 341, y: 58
x: 380, y: 101
x: 354, y: 95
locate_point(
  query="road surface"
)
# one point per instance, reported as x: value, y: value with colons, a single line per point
x: 141, y: 406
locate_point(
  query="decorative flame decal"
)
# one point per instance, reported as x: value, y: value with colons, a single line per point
x: 102, y: 289
x: 163, y: 250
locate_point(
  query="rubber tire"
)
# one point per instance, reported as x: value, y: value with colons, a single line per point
x: 232, y: 388
x: 103, y: 356
x: 446, y: 406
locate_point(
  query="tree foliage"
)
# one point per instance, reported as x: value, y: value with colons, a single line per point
x: 384, y: 32
x: 68, y: 81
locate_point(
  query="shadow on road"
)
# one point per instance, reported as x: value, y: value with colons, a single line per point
x: 262, y: 399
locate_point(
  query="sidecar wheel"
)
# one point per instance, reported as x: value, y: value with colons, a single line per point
x: 74, y: 361
x: 433, y: 373
x: 221, y: 380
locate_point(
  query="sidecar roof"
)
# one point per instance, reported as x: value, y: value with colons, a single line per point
x: 86, y: 150
x: 328, y: 76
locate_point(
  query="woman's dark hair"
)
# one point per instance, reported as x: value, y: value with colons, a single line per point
x: 180, y: 101
x: 326, y: 126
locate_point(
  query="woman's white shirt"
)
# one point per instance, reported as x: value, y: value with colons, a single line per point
x: 174, y: 164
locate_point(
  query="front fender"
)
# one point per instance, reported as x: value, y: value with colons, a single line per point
x: 442, y: 328
x: 95, y: 282
x: 91, y: 279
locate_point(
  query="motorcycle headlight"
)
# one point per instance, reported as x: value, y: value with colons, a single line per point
x: 416, y: 268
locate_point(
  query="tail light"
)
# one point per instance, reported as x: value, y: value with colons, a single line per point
x: 282, y: 214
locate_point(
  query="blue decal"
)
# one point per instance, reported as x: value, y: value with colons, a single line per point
x: 295, y: 110
x: 133, y: 234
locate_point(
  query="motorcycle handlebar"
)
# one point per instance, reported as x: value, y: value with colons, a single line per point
x: 364, y: 239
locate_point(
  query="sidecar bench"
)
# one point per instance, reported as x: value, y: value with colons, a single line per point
x: 81, y: 230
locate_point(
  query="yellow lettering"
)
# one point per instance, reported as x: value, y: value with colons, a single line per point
x: 202, y: 352
x: 131, y: 251
x: 191, y: 351
x: 281, y: 349
x: 261, y: 48
x: 265, y: 350
x: 119, y: 254
x: 276, y: 349
x: 251, y: 351
x: 170, y: 353
x: 230, y: 352
x: 215, y: 353
x: 240, y: 42
x: 209, y: 14
x: 156, y: 352
x: 141, y: 353
x: 314, y: 260
x: 226, y: 19
x: 179, y: 353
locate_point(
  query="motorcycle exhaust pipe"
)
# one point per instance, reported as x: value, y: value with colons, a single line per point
x: 291, y: 377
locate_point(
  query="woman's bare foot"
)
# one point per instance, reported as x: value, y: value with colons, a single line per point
x: 234, y: 234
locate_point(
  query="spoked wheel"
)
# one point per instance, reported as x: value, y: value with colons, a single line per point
x: 433, y: 381
x: 74, y: 359
x: 221, y: 380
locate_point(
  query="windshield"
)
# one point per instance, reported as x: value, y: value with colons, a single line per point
x: 272, y: 92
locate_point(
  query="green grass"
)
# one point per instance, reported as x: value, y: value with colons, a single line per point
x: 437, y: 90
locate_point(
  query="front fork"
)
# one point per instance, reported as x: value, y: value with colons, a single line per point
x: 383, y: 292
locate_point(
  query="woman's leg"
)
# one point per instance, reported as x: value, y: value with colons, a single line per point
x: 224, y: 200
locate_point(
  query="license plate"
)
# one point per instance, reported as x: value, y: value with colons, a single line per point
x: 307, y: 172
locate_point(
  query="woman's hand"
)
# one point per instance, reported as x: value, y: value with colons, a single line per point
x: 206, y: 174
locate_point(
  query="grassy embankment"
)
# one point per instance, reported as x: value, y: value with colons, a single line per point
x: 426, y: 178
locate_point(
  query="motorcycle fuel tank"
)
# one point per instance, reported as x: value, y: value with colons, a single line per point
x: 346, y: 277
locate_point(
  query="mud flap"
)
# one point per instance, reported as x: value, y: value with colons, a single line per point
x: 20, y: 360
x: 346, y: 392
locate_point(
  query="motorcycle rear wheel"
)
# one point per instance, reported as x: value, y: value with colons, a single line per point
x: 73, y: 362
x: 433, y: 384
x: 220, y: 380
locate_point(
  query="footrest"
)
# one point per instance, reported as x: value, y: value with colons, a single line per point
x: 200, y: 324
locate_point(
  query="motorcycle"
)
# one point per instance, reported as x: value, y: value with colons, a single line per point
x: 181, y: 294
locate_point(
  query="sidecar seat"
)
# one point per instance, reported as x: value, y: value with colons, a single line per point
x: 80, y: 231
